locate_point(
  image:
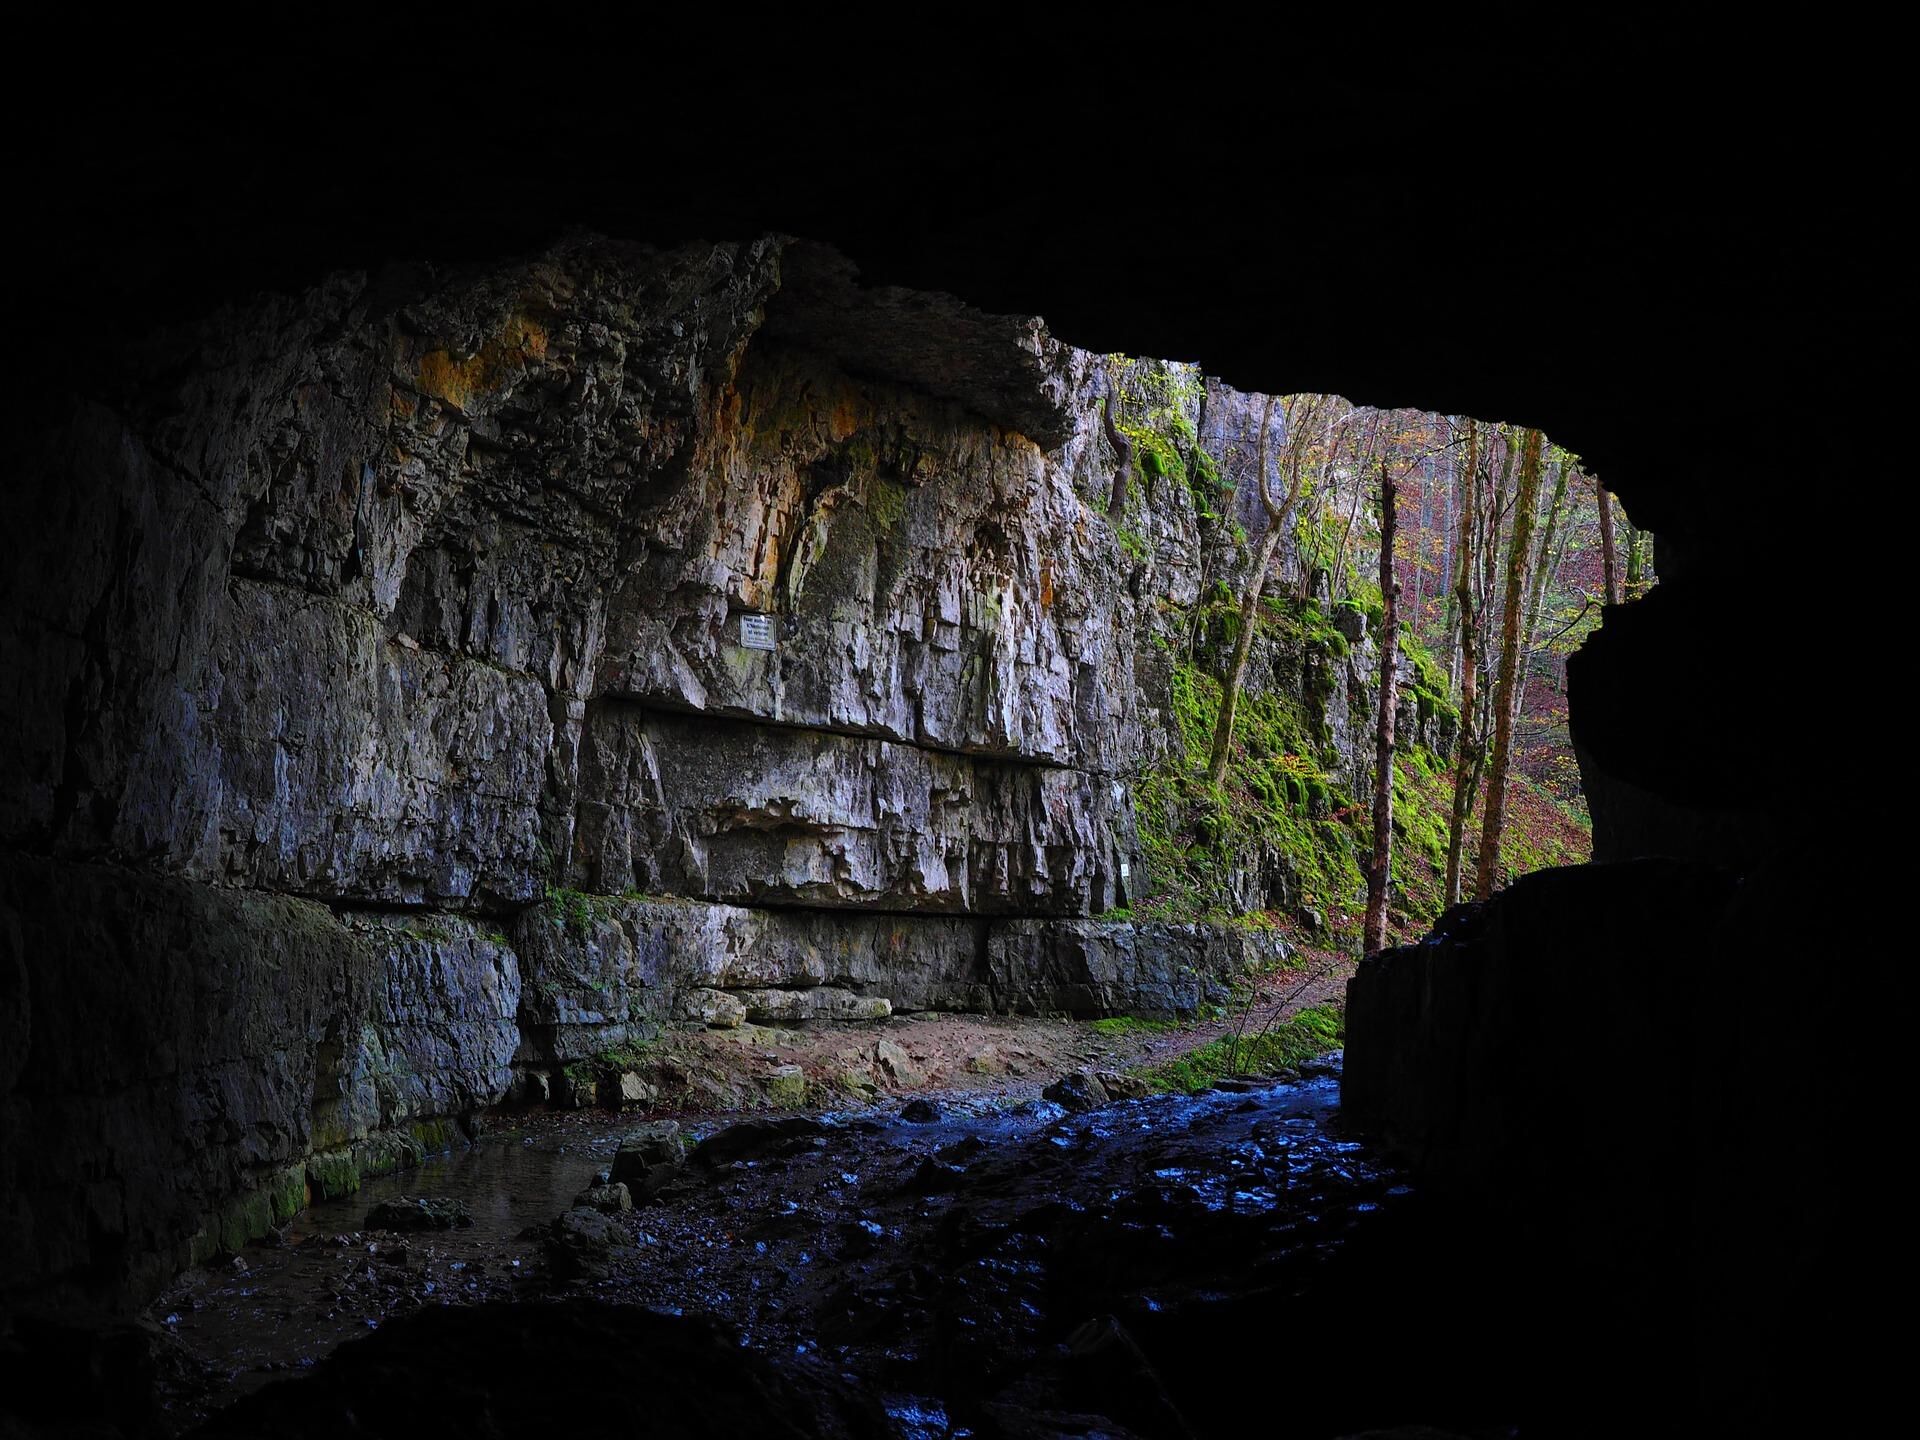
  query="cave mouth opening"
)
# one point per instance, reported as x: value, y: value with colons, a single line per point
x: 412, y: 592
x: 1478, y: 532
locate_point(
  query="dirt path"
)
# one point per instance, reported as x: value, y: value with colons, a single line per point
x: 983, y: 1058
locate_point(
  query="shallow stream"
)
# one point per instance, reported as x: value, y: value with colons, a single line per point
x: 972, y: 1261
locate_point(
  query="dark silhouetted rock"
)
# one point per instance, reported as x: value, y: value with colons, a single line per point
x: 580, y: 1245
x: 572, y: 1367
x: 933, y: 1177
x: 758, y: 1140
x: 967, y: 1147
x: 61, y: 1379
x: 1107, y: 1363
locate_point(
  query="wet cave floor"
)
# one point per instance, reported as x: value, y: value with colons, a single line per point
x: 1152, y: 1267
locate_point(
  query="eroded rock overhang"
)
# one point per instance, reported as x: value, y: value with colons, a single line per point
x: 437, y: 741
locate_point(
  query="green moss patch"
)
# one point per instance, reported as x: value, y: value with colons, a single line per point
x: 1196, y: 836
x: 1131, y: 1025
x: 1301, y: 1037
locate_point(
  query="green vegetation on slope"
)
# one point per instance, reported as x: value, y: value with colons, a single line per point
x: 1197, y: 836
x: 1299, y: 1038
x: 1281, y: 836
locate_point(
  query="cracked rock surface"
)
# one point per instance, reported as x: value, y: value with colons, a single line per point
x: 396, y: 722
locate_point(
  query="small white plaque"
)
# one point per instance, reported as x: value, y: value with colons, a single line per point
x: 1124, y: 872
x: 757, y: 632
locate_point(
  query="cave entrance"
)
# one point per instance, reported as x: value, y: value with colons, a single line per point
x: 1280, y: 821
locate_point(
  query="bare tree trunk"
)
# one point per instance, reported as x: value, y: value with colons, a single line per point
x: 1418, y: 613
x: 1469, y: 677
x: 1608, y: 570
x: 1495, y: 516
x: 1492, y: 610
x: 1337, y: 572
x: 1549, y: 533
x: 1545, y: 566
x: 1518, y: 557
x: 1552, y: 575
x: 1380, y: 875
x: 1362, y: 449
x: 1316, y: 512
x: 1256, y: 584
x: 1487, y: 613
x: 1122, y: 447
x: 1449, y: 613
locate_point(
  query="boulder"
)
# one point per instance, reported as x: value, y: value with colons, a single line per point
x: 715, y: 1008
x: 423, y: 1213
x: 899, y: 1067
x: 1122, y: 1087
x: 758, y: 1140
x: 653, y: 1145
x: 581, y: 1244
x: 609, y: 1199
x: 1077, y: 1090
x: 932, y: 1177
x: 636, y: 1091
x: 785, y: 1087
x: 578, y: 1091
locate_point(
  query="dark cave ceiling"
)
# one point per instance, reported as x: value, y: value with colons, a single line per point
x: 1628, y: 238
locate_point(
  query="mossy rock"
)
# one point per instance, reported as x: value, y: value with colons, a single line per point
x: 332, y: 1174
x: 287, y: 1193
x: 387, y: 1152
x: 436, y: 1137
x: 785, y: 1087
x: 423, y: 1213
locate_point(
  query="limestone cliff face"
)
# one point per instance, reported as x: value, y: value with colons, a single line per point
x: 393, y: 712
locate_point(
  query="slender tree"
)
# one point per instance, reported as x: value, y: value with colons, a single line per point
x: 1314, y: 504
x: 1419, y: 547
x: 1607, y: 563
x: 1542, y: 593
x: 1277, y: 513
x: 1519, y: 555
x: 1551, y: 531
x: 1363, y: 447
x: 1546, y: 565
x: 1469, y: 676
x: 1380, y: 874
x: 1497, y: 493
x: 1449, y: 609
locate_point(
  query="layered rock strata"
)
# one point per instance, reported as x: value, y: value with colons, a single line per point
x: 437, y: 678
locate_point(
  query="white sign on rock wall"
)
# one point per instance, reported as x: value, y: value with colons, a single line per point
x: 758, y: 632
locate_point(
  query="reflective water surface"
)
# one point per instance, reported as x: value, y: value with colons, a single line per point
x: 943, y: 1263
